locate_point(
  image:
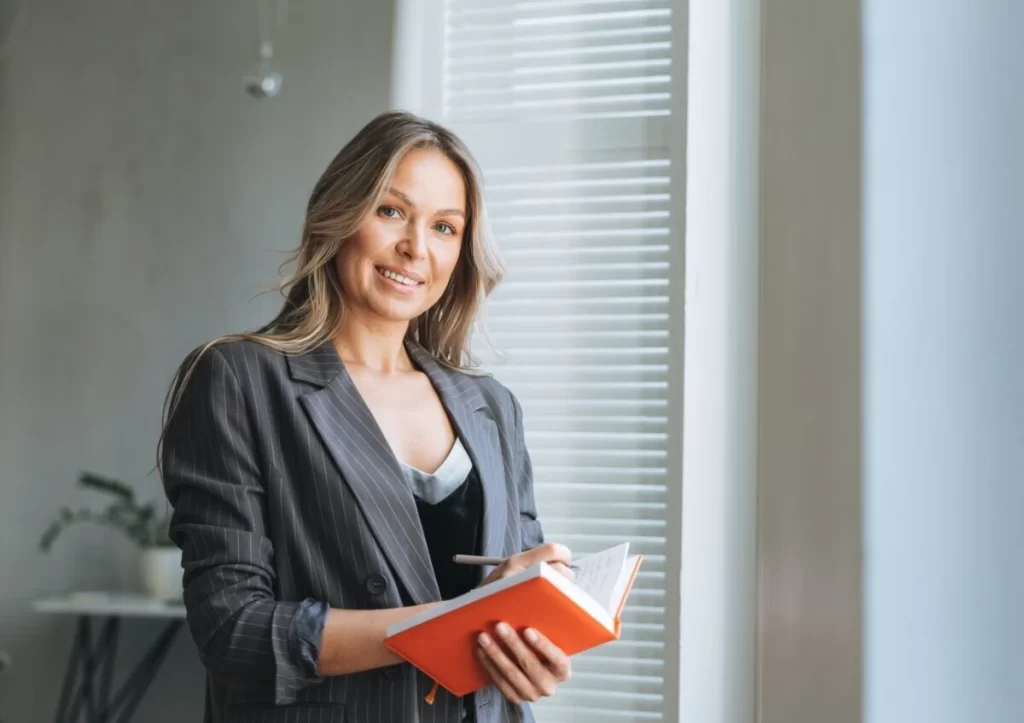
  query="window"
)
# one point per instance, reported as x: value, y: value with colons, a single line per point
x: 569, y: 105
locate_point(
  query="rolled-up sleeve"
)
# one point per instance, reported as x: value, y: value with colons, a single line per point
x: 211, y: 475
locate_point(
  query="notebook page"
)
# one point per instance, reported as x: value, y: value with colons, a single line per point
x: 598, y: 575
x: 623, y: 581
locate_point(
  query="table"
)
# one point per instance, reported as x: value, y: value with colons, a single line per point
x: 86, y: 691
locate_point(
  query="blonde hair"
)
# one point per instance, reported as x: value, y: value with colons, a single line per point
x: 348, y: 190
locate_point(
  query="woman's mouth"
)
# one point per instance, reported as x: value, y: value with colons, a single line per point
x: 401, y: 280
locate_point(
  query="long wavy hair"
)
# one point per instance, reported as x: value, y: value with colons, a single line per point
x: 347, y: 192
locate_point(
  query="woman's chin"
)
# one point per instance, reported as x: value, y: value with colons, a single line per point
x: 397, y: 312
x: 387, y: 307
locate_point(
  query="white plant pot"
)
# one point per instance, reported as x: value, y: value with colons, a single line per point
x: 161, y: 573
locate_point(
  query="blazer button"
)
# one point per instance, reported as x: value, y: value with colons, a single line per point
x: 376, y: 584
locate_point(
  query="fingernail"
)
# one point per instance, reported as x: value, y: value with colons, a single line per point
x: 531, y: 635
x: 485, y: 639
x: 504, y: 629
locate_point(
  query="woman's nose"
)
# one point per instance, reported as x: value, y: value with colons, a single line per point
x: 414, y: 244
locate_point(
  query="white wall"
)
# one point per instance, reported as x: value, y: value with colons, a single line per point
x: 809, y: 387
x: 719, y: 531
x: 144, y: 200
x: 944, y: 361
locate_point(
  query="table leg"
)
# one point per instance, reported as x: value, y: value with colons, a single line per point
x: 89, y: 662
x: 128, y: 698
x: 90, y: 671
x: 110, y: 642
x: 71, y: 669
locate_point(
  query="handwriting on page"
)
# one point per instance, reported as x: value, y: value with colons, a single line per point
x: 598, y: 574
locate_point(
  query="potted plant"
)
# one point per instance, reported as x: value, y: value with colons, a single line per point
x: 160, y: 560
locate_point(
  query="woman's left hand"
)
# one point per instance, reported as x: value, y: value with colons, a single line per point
x: 525, y: 668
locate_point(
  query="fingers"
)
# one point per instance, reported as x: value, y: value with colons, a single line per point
x: 558, y: 663
x: 567, y: 571
x: 558, y: 556
x: 538, y: 676
x: 507, y: 673
x: 551, y: 552
x: 511, y: 565
x: 523, y: 671
x: 499, y: 680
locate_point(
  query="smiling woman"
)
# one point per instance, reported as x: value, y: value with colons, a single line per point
x: 401, y: 258
x: 325, y: 469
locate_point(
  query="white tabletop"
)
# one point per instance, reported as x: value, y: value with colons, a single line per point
x: 129, y: 605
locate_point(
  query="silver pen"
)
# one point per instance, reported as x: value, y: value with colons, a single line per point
x: 479, y: 560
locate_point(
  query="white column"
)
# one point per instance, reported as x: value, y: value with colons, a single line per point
x: 944, y: 361
x: 719, y: 573
x: 417, y: 57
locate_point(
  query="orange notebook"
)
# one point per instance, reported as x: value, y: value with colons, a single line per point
x: 575, y: 615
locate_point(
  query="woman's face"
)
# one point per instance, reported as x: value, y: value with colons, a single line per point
x: 399, y: 262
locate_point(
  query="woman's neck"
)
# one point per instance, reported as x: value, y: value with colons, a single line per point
x: 378, y: 347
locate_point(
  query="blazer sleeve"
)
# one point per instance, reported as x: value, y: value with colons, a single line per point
x: 211, y: 475
x: 532, y: 532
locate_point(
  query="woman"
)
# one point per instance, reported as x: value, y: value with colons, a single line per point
x: 324, y: 469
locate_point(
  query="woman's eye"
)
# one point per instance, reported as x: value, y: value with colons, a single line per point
x: 389, y: 212
x: 445, y: 228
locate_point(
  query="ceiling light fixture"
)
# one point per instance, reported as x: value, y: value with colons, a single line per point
x: 264, y: 81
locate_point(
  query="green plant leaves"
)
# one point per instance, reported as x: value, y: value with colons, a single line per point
x: 139, y: 523
x: 105, y: 484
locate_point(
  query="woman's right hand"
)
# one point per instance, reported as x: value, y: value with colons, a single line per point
x: 558, y: 556
x: 523, y: 664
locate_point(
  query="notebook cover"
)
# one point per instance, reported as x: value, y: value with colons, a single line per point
x: 445, y: 648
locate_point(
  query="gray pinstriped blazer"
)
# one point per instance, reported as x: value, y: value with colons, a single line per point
x: 285, y: 491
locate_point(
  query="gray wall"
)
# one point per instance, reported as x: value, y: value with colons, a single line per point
x: 944, y: 362
x: 809, y: 386
x: 144, y: 201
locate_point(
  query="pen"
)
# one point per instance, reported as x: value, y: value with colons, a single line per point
x: 478, y: 560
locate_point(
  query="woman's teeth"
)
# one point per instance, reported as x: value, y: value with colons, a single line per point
x: 404, y: 280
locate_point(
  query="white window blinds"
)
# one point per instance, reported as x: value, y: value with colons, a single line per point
x: 557, y: 59
x: 568, y: 106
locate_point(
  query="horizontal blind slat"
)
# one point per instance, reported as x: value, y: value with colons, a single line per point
x: 548, y: 710
x: 626, y: 168
x: 459, y: 8
x: 584, y: 711
x: 546, y: 199
x: 510, y: 72
x: 581, y: 325
x: 554, y: 16
x: 523, y: 53
x: 570, y: 85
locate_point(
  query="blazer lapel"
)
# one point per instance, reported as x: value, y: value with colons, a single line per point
x: 355, y: 442
x: 478, y: 431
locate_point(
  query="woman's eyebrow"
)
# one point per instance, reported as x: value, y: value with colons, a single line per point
x: 442, y: 212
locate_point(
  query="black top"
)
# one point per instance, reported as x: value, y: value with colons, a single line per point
x: 452, y: 527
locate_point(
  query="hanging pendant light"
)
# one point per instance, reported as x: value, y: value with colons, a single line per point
x: 264, y: 81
